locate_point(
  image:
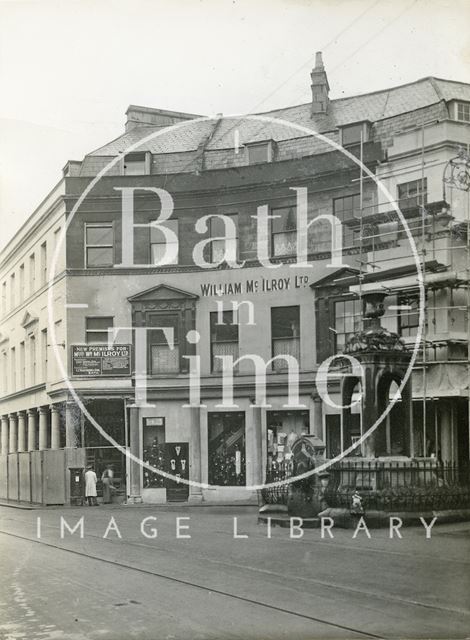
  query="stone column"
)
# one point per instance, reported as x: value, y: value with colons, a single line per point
x: 134, y: 467
x: 195, y: 493
x: 32, y: 417
x: 4, y: 435
x: 21, y: 431
x: 55, y: 426
x: 73, y: 428
x: 13, y: 433
x: 43, y: 420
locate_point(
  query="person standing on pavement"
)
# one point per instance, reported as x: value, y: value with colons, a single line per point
x: 90, y: 486
x: 108, y: 487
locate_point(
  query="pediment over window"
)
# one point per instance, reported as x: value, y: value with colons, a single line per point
x: 162, y: 292
x: 28, y: 320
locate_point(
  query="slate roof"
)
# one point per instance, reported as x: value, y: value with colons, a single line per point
x: 375, y: 106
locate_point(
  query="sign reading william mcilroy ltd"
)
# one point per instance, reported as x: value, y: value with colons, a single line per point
x: 100, y: 360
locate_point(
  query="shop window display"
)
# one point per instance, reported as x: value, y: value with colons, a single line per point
x: 283, y: 429
x: 154, y: 452
x: 226, y: 433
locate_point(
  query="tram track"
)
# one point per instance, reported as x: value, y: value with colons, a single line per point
x: 201, y: 587
x: 328, y: 584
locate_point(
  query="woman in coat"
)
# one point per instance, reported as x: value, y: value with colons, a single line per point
x: 90, y: 486
x: 108, y: 487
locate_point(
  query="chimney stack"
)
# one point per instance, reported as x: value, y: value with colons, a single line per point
x: 320, y: 86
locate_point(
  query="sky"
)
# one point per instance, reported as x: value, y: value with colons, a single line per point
x: 70, y: 68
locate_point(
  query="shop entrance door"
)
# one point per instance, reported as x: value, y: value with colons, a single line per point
x: 177, y: 464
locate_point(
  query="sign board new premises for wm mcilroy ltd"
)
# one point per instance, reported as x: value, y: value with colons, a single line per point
x: 100, y: 360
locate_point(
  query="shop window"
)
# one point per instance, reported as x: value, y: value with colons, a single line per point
x: 224, y: 338
x: 226, y: 452
x: 285, y: 334
x: 97, y: 329
x: 158, y: 243
x: 163, y: 358
x: 259, y: 152
x: 348, y: 315
x: 134, y: 164
x: 283, y: 429
x: 463, y: 111
x: 217, y: 230
x: 99, y: 244
x: 153, y: 448
x: 408, y: 315
x: 412, y: 194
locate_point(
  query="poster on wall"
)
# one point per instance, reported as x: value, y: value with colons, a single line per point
x: 99, y: 360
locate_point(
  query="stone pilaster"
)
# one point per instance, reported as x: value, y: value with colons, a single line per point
x: 32, y: 419
x: 21, y: 431
x: 43, y: 427
x: 55, y: 426
x: 195, y: 492
x: 134, y: 467
x: 13, y: 446
x: 4, y: 436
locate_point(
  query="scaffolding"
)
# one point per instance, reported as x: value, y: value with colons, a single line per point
x: 456, y: 176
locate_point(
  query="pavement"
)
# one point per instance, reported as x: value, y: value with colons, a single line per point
x: 133, y: 574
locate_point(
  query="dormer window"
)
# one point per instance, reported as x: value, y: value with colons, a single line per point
x: 462, y: 111
x: 135, y: 164
x: 259, y: 152
x: 351, y: 134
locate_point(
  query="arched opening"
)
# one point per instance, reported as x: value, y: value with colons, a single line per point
x: 392, y: 434
x: 352, y: 414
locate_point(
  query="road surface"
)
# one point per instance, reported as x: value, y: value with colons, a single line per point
x: 119, y: 581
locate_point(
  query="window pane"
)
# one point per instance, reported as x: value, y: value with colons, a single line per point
x: 97, y: 337
x: 285, y: 243
x: 157, y: 252
x: 352, y: 134
x: 164, y: 359
x: 227, y: 331
x: 134, y: 164
x: 163, y: 320
x: 99, y: 235
x: 285, y: 322
x: 157, y: 236
x: 223, y: 349
x: 98, y: 257
x: 226, y: 450
x: 97, y: 324
x: 285, y: 347
x: 285, y: 220
x: 258, y: 153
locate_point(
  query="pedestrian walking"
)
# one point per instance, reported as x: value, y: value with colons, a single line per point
x: 90, y: 486
x: 108, y: 486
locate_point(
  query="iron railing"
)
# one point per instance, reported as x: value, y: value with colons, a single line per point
x: 409, y: 485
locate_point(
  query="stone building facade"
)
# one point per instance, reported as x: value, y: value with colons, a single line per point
x: 69, y: 273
